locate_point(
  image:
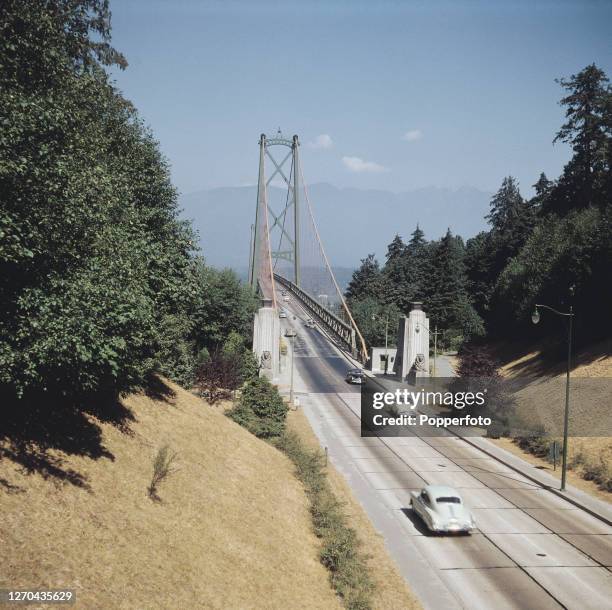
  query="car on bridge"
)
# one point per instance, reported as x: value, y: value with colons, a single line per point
x: 442, y: 510
x: 310, y: 323
x: 290, y: 333
x: 355, y: 376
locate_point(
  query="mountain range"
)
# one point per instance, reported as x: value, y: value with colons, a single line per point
x: 352, y: 222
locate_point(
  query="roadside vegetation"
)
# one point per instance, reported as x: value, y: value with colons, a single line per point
x: 262, y: 411
x: 340, y: 548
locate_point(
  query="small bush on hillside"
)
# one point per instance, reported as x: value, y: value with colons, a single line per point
x: 597, y: 469
x: 260, y: 409
x: 162, y: 469
x: 536, y: 445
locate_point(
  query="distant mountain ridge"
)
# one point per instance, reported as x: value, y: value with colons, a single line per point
x: 352, y: 222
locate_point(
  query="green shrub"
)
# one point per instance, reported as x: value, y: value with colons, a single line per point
x: 260, y: 409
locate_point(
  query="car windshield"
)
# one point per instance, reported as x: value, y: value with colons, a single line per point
x: 448, y: 500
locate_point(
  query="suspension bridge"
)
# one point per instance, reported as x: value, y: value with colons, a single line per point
x: 287, y: 255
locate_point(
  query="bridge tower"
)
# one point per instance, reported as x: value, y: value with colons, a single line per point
x: 280, y: 224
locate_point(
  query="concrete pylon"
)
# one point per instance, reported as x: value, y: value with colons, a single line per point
x: 412, y: 358
x: 266, y: 341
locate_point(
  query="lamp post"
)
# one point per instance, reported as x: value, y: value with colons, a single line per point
x: 291, y: 382
x: 435, y: 336
x: 535, y: 318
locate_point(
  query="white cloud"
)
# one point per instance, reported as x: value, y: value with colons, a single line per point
x: 321, y: 142
x: 355, y: 164
x: 413, y: 135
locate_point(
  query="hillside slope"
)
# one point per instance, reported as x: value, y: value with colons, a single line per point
x: 232, y: 529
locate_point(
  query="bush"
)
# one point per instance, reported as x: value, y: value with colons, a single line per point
x: 260, y: 409
x: 536, y: 445
x: 217, y: 378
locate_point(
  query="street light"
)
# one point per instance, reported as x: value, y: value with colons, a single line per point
x: 535, y: 318
x: 435, y: 335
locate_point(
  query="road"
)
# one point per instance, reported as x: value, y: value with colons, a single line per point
x: 532, y: 549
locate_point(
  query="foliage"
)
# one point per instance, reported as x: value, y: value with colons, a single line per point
x: 588, y: 128
x: 449, y: 304
x: 224, y: 306
x: 245, y: 361
x: 340, y: 552
x: 260, y: 409
x: 96, y: 268
x: 376, y: 320
x: 367, y: 281
x: 99, y: 284
x: 217, y: 378
x: 557, y: 247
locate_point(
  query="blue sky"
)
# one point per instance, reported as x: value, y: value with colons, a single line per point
x: 386, y: 95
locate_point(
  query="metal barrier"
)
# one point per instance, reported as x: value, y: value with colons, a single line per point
x: 343, y: 332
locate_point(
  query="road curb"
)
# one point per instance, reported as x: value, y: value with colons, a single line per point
x: 583, y: 504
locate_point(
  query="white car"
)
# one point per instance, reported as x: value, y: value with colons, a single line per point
x: 286, y: 298
x: 282, y: 314
x: 442, y: 509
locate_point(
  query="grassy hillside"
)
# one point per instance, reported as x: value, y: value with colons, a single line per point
x: 232, y: 529
x: 590, y: 458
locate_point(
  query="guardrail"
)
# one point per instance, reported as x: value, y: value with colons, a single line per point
x: 344, y: 332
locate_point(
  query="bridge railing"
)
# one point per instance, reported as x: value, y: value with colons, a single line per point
x: 339, y: 329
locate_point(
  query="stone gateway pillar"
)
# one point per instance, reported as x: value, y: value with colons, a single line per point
x: 412, y: 358
x: 266, y: 341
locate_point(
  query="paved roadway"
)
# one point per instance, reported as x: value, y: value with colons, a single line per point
x: 532, y: 550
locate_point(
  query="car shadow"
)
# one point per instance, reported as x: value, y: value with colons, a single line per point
x: 418, y: 523
x: 420, y: 526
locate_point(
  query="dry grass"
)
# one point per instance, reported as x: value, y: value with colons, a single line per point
x: 589, y: 457
x: 574, y: 474
x: 391, y: 591
x: 232, y: 529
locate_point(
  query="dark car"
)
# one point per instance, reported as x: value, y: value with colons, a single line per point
x: 355, y: 376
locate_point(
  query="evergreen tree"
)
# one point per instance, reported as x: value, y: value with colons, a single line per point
x: 588, y: 129
x: 395, y: 250
x: 512, y: 219
x: 418, y: 264
x: 367, y: 281
x: 480, y: 279
x: 410, y: 279
x: 543, y: 191
x: 449, y: 305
